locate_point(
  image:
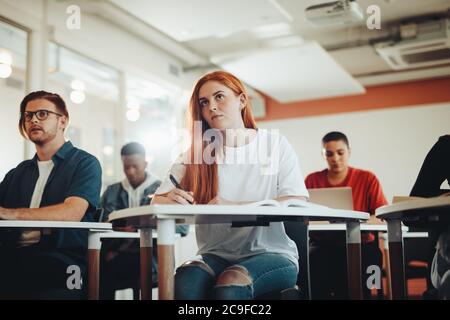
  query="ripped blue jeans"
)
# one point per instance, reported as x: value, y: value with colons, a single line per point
x: 269, y: 272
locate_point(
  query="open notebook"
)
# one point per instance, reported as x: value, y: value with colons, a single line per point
x: 295, y: 203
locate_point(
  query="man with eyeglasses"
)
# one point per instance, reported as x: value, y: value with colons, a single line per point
x: 60, y: 183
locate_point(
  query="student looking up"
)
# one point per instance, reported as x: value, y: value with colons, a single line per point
x: 235, y: 263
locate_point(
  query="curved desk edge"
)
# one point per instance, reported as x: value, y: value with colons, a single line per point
x: 165, y: 211
x: 55, y: 224
x: 416, y: 204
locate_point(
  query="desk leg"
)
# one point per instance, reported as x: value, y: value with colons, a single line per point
x: 354, y: 260
x: 386, y: 264
x: 146, y: 263
x: 94, y: 246
x: 166, y: 258
x: 396, y: 263
x: 308, y: 274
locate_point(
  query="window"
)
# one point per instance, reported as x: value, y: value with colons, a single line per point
x: 151, y: 119
x: 91, y: 92
x: 13, y: 70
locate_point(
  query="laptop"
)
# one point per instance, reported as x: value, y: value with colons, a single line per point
x: 336, y: 198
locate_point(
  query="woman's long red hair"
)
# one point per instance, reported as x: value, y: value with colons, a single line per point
x: 202, y: 178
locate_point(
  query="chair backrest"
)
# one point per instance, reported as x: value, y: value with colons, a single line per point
x: 397, y: 199
x: 336, y: 198
x: 99, y: 215
x: 297, y: 231
x: 415, y: 249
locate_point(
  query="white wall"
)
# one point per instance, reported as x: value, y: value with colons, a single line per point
x: 392, y: 143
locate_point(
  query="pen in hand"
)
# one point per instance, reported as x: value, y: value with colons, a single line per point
x: 177, y: 185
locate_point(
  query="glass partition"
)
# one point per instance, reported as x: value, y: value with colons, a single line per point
x: 91, y: 91
x: 13, y: 70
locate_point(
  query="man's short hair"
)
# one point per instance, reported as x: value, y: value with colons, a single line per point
x: 37, y: 95
x: 132, y: 148
x: 335, y: 136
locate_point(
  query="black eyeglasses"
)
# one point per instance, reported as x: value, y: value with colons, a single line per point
x: 40, y: 115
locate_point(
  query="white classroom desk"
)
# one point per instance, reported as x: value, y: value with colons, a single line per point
x: 165, y: 217
x: 425, y: 212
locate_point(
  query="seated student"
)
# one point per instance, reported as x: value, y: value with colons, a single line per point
x: 326, y: 250
x: 60, y: 183
x: 434, y: 171
x: 120, y: 260
x: 236, y: 263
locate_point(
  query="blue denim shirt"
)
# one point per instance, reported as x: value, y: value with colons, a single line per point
x: 75, y: 173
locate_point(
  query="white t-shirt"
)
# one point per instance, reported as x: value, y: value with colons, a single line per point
x: 29, y: 237
x: 244, y: 177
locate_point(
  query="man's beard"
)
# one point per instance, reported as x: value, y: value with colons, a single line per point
x: 43, y: 138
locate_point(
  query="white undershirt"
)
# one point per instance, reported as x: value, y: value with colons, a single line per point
x: 45, y: 168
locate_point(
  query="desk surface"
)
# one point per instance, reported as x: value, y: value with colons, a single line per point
x: 342, y: 227
x: 429, y: 206
x: 175, y: 211
x: 54, y: 224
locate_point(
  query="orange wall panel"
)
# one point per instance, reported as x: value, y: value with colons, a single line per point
x: 376, y: 97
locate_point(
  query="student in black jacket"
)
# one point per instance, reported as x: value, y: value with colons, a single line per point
x: 435, y: 170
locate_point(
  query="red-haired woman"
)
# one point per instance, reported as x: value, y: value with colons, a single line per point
x: 241, y: 164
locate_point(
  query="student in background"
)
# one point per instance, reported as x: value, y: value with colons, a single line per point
x: 328, y: 250
x: 434, y: 171
x: 60, y: 183
x: 236, y: 263
x: 120, y: 257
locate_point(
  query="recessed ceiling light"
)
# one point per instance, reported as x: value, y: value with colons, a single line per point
x: 133, y: 115
x: 77, y: 96
x: 78, y: 85
x: 271, y: 30
x: 185, y: 32
x: 5, y: 57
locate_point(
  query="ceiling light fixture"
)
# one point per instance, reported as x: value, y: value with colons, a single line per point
x: 5, y: 64
x: 133, y: 115
x: 5, y: 70
x: 77, y: 96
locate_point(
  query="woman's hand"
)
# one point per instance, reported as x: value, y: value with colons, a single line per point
x: 221, y: 201
x: 181, y: 196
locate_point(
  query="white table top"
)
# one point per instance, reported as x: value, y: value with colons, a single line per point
x: 223, y: 213
x: 409, y: 235
x: 54, y: 224
x: 413, y: 207
x: 127, y: 235
x: 121, y: 234
x: 342, y: 227
x: 415, y: 235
